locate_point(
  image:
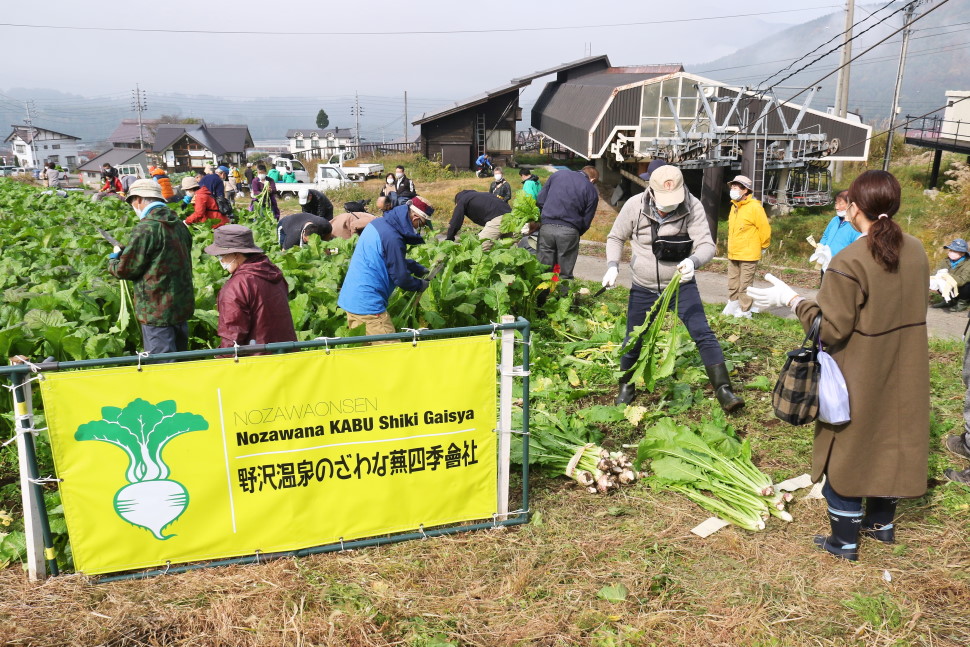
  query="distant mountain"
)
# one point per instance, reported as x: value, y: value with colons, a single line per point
x: 938, y: 59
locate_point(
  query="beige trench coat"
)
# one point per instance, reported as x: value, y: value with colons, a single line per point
x: 874, y: 325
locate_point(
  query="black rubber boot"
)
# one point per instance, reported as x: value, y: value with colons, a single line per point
x: 844, y: 540
x: 718, y: 375
x: 626, y: 394
x: 878, y: 522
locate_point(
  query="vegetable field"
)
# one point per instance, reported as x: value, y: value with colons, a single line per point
x: 608, y: 558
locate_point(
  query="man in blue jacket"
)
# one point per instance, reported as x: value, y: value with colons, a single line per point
x: 568, y: 203
x: 379, y: 265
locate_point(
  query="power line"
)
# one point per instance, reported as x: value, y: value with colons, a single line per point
x: 290, y: 33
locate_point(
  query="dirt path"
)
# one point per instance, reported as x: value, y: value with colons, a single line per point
x: 713, y: 287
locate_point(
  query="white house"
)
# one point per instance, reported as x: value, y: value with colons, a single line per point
x: 48, y: 146
x: 328, y: 142
x: 128, y: 161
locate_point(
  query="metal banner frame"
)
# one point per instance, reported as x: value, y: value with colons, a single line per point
x: 40, y: 546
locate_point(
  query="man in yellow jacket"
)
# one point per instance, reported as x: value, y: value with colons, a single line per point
x: 748, y: 234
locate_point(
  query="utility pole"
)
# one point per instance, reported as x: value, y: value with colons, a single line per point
x: 139, y: 103
x: 406, y: 142
x: 31, y: 133
x: 356, y: 110
x: 899, y: 84
x: 842, y: 84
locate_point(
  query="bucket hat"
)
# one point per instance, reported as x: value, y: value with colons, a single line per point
x: 189, y: 183
x: 744, y: 181
x: 150, y: 189
x: 232, y: 239
x: 958, y: 245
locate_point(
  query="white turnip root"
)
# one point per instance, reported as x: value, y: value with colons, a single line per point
x: 152, y: 505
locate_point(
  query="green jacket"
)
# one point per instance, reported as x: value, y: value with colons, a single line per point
x: 532, y: 187
x: 960, y: 273
x: 158, y: 262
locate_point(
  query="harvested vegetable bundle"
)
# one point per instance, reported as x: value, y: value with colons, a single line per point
x: 651, y: 365
x: 524, y: 210
x: 711, y: 467
x: 564, y: 448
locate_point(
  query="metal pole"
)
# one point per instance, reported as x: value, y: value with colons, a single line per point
x: 32, y: 134
x: 406, y: 142
x: 842, y: 85
x: 139, y: 107
x: 505, y: 418
x: 899, y: 83
x: 35, y: 512
x: 357, y: 116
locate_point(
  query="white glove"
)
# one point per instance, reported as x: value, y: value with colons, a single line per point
x: 822, y: 256
x: 779, y: 294
x: 686, y: 269
x: 609, y: 279
x: 948, y: 285
x: 936, y: 285
x: 525, y: 229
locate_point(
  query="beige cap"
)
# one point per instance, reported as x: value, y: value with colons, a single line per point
x: 744, y: 181
x: 189, y: 183
x: 667, y: 184
x: 144, y: 189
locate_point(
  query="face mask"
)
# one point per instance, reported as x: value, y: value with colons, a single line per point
x: 261, y: 176
x: 841, y: 214
x: 399, y: 175
x: 226, y: 265
x: 667, y: 208
x: 390, y: 180
x: 498, y: 177
x: 735, y: 194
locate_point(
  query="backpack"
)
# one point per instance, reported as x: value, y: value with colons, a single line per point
x: 225, y: 208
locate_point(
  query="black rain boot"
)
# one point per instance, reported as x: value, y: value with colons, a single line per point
x: 844, y: 540
x: 718, y: 376
x: 626, y: 394
x: 878, y: 522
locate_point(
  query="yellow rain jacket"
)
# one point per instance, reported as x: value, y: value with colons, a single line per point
x: 748, y: 230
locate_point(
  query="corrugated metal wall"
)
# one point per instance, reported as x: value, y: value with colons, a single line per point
x: 624, y: 111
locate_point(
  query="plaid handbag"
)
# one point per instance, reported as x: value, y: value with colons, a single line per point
x: 795, y: 397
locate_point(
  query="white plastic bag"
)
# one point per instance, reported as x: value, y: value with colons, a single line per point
x: 833, y: 394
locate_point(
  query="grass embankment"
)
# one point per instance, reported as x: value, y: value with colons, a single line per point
x: 539, y: 584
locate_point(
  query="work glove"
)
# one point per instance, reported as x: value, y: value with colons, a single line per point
x: 424, y: 285
x: 936, y: 285
x: 686, y: 269
x: 822, y: 256
x: 114, y: 255
x: 609, y: 279
x: 779, y: 294
x: 948, y: 285
x: 525, y: 229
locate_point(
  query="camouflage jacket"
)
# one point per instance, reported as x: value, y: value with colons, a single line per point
x: 158, y: 262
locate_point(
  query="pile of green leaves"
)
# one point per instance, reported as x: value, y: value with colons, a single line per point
x: 524, y: 210
x: 713, y: 468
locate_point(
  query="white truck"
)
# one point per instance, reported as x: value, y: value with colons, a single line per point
x: 328, y: 178
x: 286, y: 165
x: 357, y: 173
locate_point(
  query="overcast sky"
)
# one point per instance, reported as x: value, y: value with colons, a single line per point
x: 274, y: 59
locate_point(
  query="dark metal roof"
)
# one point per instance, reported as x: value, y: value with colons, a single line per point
x: 127, y: 131
x: 529, y: 78
x: 24, y: 133
x: 514, y: 84
x: 476, y: 100
x: 113, y: 156
x: 218, y: 139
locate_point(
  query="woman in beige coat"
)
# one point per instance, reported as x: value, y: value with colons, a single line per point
x: 873, y: 307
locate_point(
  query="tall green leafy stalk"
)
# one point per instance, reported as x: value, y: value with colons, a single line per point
x: 658, y: 354
x: 709, y: 465
x: 524, y: 210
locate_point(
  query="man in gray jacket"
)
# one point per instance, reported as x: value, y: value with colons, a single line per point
x: 668, y: 231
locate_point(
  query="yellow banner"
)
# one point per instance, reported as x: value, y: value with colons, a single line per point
x: 210, y: 459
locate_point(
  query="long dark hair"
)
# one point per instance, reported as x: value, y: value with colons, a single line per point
x: 876, y: 196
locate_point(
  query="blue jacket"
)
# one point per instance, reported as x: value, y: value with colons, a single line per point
x: 379, y: 264
x: 838, y: 235
x: 215, y: 185
x: 570, y: 199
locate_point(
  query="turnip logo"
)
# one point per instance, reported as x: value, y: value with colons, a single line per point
x: 150, y: 500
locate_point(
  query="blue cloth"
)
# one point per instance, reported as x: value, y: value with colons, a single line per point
x: 379, y: 264
x: 953, y: 264
x: 570, y: 199
x: 838, y: 235
x: 215, y: 185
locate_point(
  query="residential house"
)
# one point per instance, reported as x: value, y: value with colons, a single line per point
x: 34, y: 149
x: 128, y: 161
x: 188, y: 147
x: 127, y: 134
x: 305, y: 141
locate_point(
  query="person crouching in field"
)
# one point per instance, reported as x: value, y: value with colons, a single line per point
x: 253, y: 304
x: 379, y: 265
